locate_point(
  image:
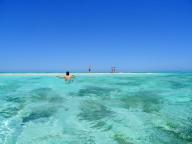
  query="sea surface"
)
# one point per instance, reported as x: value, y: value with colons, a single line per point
x: 140, y: 108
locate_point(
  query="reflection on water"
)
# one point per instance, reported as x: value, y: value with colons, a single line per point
x: 119, y: 109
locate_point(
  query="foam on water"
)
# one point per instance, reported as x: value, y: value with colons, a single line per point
x: 96, y: 109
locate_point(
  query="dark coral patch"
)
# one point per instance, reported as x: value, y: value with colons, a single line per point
x: 39, y: 114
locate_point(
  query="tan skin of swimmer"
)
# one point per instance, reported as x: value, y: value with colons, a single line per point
x: 67, y: 77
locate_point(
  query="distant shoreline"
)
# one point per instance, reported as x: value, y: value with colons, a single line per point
x: 88, y: 74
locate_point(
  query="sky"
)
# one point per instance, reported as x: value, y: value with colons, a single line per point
x: 60, y: 35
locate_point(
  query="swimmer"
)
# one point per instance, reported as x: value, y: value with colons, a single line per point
x: 67, y: 77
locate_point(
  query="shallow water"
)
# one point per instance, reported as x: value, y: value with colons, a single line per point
x: 97, y: 109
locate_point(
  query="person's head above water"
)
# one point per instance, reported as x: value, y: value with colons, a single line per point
x: 67, y: 73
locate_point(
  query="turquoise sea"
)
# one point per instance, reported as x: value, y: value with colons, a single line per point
x: 140, y: 108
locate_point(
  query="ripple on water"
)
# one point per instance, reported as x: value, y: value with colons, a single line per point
x: 10, y: 110
x: 171, y: 133
x: 39, y: 114
x: 95, y: 113
x: 96, y: 91
x: 176, y: 127
x: 178, y: 84
x: 9, y: 88
x: 15, y: 99
x: 127, y: 83
x: 147, y: 101
x: 46, y: 94
x: 114, y: 110
x: 121, y: 139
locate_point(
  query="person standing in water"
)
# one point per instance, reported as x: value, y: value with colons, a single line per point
x: 113, y: 69
x: 89, y: 69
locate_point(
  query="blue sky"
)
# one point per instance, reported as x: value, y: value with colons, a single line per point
x: 60, y: 35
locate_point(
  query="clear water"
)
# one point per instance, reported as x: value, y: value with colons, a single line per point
x: 97, y: 109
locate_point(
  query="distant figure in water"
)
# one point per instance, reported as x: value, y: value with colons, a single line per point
x: 68, y: 76
x: 113, y: 69
x: 89, y: 69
